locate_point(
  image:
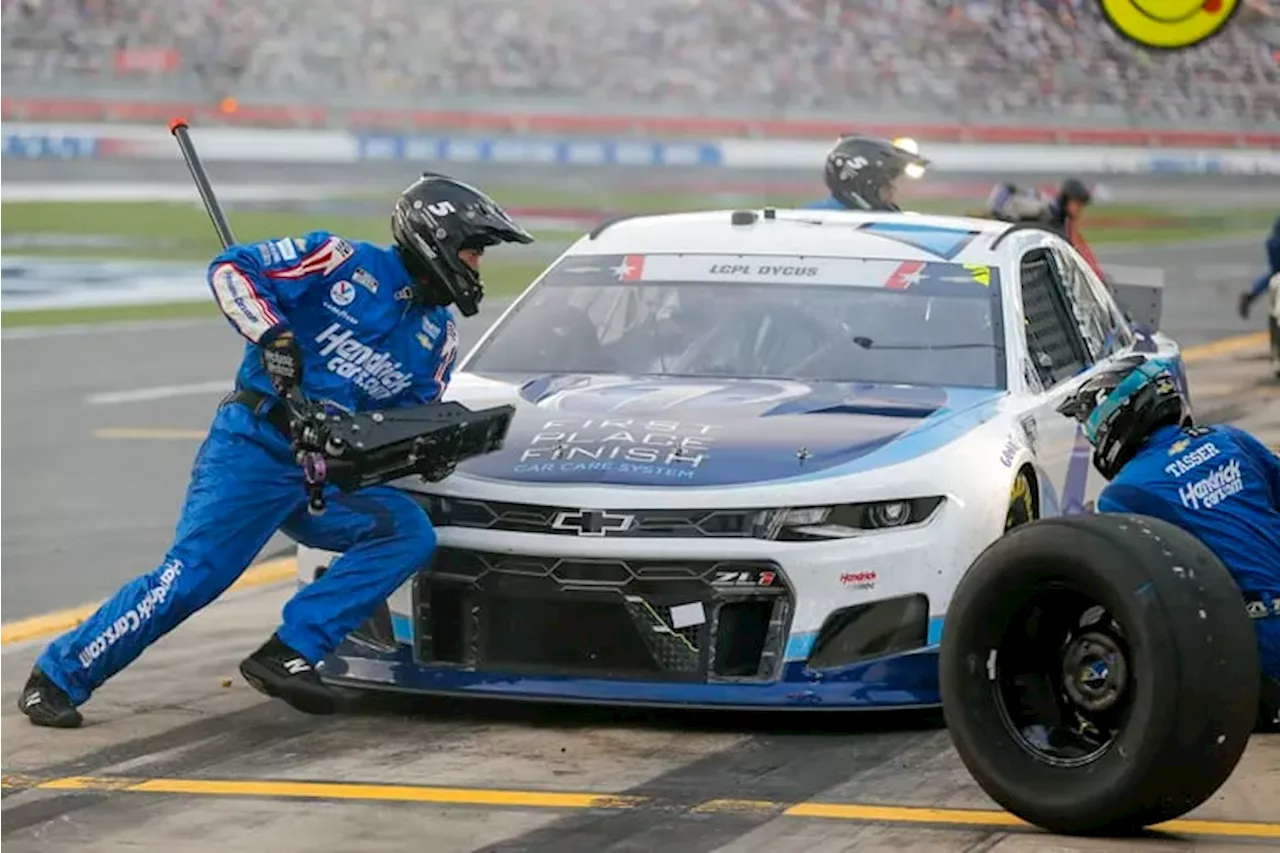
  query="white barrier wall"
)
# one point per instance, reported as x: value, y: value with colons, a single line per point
x: 41, y: 141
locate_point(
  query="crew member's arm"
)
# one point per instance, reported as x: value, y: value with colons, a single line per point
x: 998, y: 199
x: 256, y: 284
x: 1078, y: 242
x: 1127, y: 498
x: 429, y: 388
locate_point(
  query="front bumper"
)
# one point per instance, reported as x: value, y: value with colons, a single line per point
x: 907, y: 680
x: 846, y: 624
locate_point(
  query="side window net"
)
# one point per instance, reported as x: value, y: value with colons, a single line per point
x: 1050, y: 324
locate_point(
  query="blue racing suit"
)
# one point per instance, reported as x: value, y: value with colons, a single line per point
x: 1273, y: 260
x: 1221, y: 485
x: 366, y: 344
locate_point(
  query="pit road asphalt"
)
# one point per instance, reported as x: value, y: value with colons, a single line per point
x: 180, y: 755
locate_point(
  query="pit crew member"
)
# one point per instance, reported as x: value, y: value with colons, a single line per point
x: 352, y: 325
x: 862, y: 173
x: 1060, y: 213
x: 1260, y: 285
x: 1218, y: 483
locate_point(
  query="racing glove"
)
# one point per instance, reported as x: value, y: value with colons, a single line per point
x: 282, y: 359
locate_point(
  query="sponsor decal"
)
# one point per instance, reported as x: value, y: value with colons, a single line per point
x: 1189, y: 461
x: 378, y: 374
x: 135, y: 617
x: 750, y: 577
x: 343, y: 293
x: 859, y: 580
x: 1009, y: 451
x: 228, y: 280
x: 674, y: 448
x: 429, y: 335
x: 1207, y: 492
x: 365, y: 279
x: 278, y: 251
x: 404, y: 294
x: 593, y: 522
x: 288, y: 251
x: 1030, y: 431
x: 350, y: 318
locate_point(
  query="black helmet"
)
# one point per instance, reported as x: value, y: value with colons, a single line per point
x: 434, y: 219
x: 860, y: 169
x: 1074, y: 189
x: 1121, y: 405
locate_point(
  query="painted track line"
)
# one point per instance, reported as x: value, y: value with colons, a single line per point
x: 1224, y: 346
x: 124, y: 327
x: 159, y: 392
x: 264, y: 573
x: 149, y: 433
x: 578, y: 800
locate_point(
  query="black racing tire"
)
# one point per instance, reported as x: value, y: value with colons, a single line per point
x: 1169, y: 672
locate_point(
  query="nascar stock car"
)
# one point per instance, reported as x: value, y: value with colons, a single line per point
x: 751, y: 456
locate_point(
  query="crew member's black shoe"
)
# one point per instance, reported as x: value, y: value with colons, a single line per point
x: 277, y: 670
x: 45, y: 704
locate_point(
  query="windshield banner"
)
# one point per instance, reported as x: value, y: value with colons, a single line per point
x: 931, y: 278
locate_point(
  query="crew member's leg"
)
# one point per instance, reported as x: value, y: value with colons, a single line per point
x: 383, y: 537
x: 242, y: 489
x: 1255, y: 291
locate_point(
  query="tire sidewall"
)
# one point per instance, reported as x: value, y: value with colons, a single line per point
x: 983, y: 607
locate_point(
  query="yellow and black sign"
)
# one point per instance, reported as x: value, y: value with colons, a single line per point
x: 1169, y: 24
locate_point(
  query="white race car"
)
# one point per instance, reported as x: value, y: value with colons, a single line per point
x: 753, y: 453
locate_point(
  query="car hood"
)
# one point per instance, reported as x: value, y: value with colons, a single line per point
x: 640, y: 431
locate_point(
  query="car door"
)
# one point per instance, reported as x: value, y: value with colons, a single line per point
x: 1058, y: 359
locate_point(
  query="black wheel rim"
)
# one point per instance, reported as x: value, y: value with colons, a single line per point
x: 1062, y: 677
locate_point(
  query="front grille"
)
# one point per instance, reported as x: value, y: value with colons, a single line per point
x: 675, y: 620
x: 570, y: 521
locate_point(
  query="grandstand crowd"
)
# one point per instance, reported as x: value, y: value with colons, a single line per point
x: 949, y: 59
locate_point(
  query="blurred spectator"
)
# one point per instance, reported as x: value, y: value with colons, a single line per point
x: 936, y: 58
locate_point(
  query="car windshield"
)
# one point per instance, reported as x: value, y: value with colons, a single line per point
x: 804, y: 319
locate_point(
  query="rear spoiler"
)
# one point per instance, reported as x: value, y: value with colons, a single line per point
x: 1139, y: 292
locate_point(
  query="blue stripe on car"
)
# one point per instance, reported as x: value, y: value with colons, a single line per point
x: 965, y: 410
